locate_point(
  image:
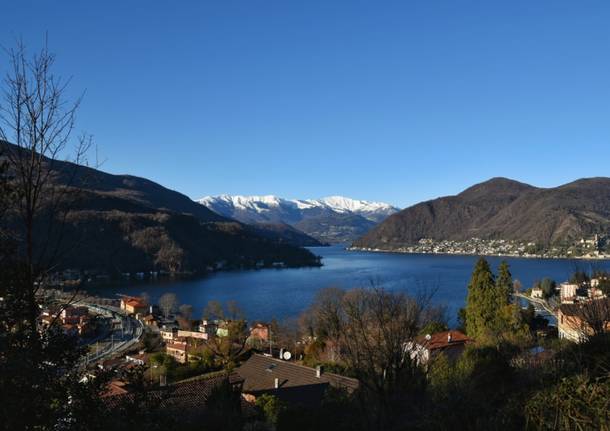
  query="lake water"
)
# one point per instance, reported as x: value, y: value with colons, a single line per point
x: 285, y: 293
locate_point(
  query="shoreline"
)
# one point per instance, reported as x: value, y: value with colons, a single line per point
x: 530, y: 256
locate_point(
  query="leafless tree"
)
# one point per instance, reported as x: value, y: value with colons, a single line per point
x: 286, y: 334
x: 234, y: 312
x: 36, y: 135
x: 326, y: 312
x: 36, y: 127
x: 231, y: 342
x: 170, y: 257
x: 370, y: 329
x: 213, y: 311
x: 186, y: 311
x: 517, y: 286
x: 145, y: 297
x: 594, y: 316
x: 168, y: 304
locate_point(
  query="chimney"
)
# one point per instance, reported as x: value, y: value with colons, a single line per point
x: 282, y: 353
x: 277, y: 383
x: 318, y: 371
x: 449, y: 337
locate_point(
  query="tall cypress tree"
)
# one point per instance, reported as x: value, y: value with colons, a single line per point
x: 481, y: 304
x: 489, y: 315
x: 504, y: 284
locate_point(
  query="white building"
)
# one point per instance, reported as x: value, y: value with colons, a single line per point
x: 567, y: 292
x: 168, y: 333
x: 192, y: 334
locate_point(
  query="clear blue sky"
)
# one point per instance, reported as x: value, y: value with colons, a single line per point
x: 398, y: 101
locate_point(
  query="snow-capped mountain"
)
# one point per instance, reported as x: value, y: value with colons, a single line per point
x: 374, y: 211
x: 330, y: 219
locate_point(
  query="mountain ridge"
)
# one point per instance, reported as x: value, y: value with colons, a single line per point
x: 333, y: 219
x: 501, y: 208
x: 336, y: 203
x: 124, y: 223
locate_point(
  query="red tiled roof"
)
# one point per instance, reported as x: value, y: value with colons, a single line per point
x: 177, y: 346
x: 136, y: 303
x: 440, y: 340
x: 115, y: 387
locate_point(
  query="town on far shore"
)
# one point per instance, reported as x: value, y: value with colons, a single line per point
x: 595, y: 247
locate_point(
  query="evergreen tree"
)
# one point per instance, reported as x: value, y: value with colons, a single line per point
x: 509, y: 324
x: 490, y: 317
x: 481, y: 302
x: 504, y: 283
x: 548, y: 287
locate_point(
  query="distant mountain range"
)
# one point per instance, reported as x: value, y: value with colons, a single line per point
x: 333, y: 219
x: 122, y: 223
x: 501, y: 209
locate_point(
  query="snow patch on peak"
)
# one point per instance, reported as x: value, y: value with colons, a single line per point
x: 343, y: 204
x: 256, y: 203
x: 304, y: 204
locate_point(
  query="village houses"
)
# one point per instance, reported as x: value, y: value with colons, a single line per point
x: 567, y: 292
x: 178, y: 349
x: 426, y: 347
x: 572, y: 319
x: 74, y: 320
x: 537, y: 292
x: 134, y: 306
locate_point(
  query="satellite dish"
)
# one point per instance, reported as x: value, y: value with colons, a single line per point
x: 287, y: 355
x: 428, y: 337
